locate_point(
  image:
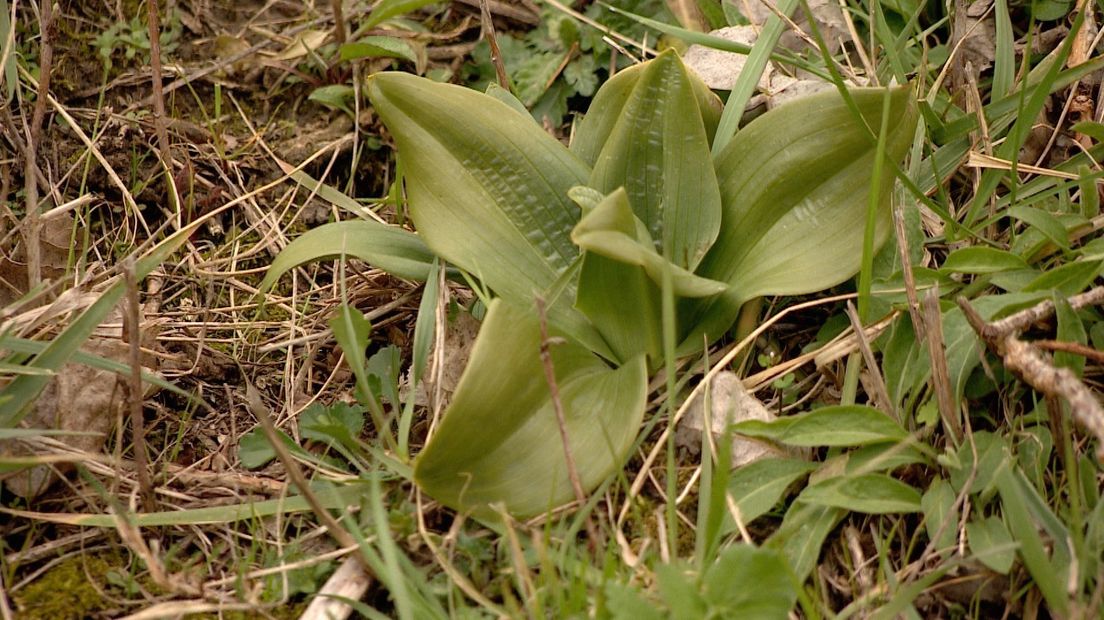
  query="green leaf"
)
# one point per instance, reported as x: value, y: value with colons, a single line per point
x: 1047, y: 224
x: 1050, y: 579
x: 1070, y: 329
x: 793, y: 192
x: 759, y: 486
x: 991, y: 543
x: 499, y: 441
x: 390, y: 248
x: 658, y: 151
x: 1068, y: 279
x: 377, y: 47
x: 336, y: 96
x: 386, y: 9
x: 10, y: 68
x: 487, y: 190
x: 868, y: 493
x: 802, y: 534
x: 982, y: 259
x: 606, y: 109
x: 840, y: 425
x: 751, y: 583
x: 611, y: 230
x: 939, y: 522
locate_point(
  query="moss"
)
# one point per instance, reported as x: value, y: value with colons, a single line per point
x: 72, y: 589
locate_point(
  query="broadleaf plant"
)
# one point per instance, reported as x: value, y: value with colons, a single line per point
x: 594, y: 231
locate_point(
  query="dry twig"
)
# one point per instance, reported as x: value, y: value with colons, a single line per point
x: 1035, y: 367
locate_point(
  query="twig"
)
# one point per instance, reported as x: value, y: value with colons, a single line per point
x: 339, y: 21
x: 295, y: 474
x: 506, y: 10
x: 1036, y: 368
x: 30, y: 230
x: 163, y: 143
x: 878, y: 382
x: 492, y: 39
x: 561, y: 420
x: 906, y: 270
x: 1071, y: 347
x: 941, y: 382
x: 134, y: 388
x: 1029, y: 316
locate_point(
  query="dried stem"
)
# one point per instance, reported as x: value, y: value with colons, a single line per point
x: 1035, y: 367
x: 134, y: 388
x: 339, y: 21
x: 561, y: 419
x: 492, y: 39
x: 295, y: 474
x: 941, y: 382
x: 31, y: 223
x: 163, y: 143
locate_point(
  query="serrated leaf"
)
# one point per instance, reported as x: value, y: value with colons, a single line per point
x: 658, y: 151
x: 868, y: 493
x: 487, y: 190
x: 499, y: 441
x: 793, y: 194
x: 982, y: 259
x: 840, y: 425
x: 377, y: 47
x: 991, y: 543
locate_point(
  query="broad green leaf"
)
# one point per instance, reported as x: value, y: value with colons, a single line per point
x: 390, y: 248
x: 594, y: 129
x: 982, y: 259
x: 499, y: 441
x: 839, y: 425
x: 868, y: 493
x: 658, y: 151
x: 728, y: 584
x: 680, y: 591
x: 487, y: 190
x: 794, y: 194
x: 612, y: 230
x: 377, y: 47
x: 991, y: 543
x: 759, y: 486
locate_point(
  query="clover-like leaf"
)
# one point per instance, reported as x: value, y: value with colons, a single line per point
x: 499, y: 441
